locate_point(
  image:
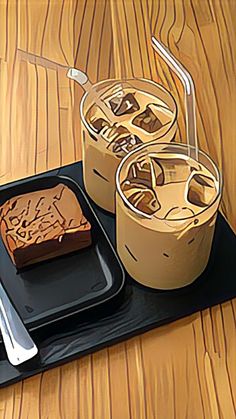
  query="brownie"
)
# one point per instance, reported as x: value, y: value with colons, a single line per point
x: 44, y: 224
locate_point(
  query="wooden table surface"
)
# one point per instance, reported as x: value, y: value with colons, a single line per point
x: 183, y: 370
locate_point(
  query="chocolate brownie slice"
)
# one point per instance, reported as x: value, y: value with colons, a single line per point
x: 44, y: 224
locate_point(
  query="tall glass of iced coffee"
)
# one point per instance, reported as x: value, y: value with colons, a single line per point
x: 140, y: 111
x: 166, y: 207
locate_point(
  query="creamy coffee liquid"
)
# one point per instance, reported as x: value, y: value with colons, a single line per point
x: 171, y: 248
x: 139, y: 117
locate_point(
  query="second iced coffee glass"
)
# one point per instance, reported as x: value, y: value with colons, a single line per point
x: 166, y: 207
x: 105, y: 143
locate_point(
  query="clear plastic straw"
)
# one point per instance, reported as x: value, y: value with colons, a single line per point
x: 188, y: 84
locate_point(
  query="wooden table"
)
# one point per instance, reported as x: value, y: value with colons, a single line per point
x: 186, y: 369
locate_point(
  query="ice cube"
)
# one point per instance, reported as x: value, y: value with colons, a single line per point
x: 122, y: 105
x: 146, y: 171
x: 171, y: 170
x: 123, y: 142
x: 163, y: 113
x: 98, y: 124
x: 148, y: 121
x: 141, y: 197
x: 121, y: 131
x: 113, y: 91
x: 96, y: 118
x: 201, y: 190
x: 109, y: 133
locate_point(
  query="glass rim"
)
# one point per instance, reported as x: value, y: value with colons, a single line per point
x: 177, y: 144
x: 86, y: 94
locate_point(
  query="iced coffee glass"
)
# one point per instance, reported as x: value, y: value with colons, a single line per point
x: 140, y: 111
x: 166, y: 207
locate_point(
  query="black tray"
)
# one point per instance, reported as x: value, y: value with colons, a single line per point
x: 137, y: 309
x: 66, y: 285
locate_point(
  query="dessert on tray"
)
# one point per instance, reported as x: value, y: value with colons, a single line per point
x: 43, y: 224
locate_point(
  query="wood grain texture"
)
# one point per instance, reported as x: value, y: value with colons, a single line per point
x: 186, y: 369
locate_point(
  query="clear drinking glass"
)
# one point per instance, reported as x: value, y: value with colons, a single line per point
x: 100, y: 147
x: 164, y: 237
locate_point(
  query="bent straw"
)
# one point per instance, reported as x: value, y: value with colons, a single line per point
x: 188, y: 84
x: 81, y: 77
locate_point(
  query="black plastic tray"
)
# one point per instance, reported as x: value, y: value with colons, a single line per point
x: 49, y: 291
x: 135, y: 310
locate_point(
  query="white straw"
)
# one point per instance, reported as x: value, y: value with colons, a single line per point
x: 188, y: 84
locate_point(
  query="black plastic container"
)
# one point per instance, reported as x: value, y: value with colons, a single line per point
x: 48, y: 291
